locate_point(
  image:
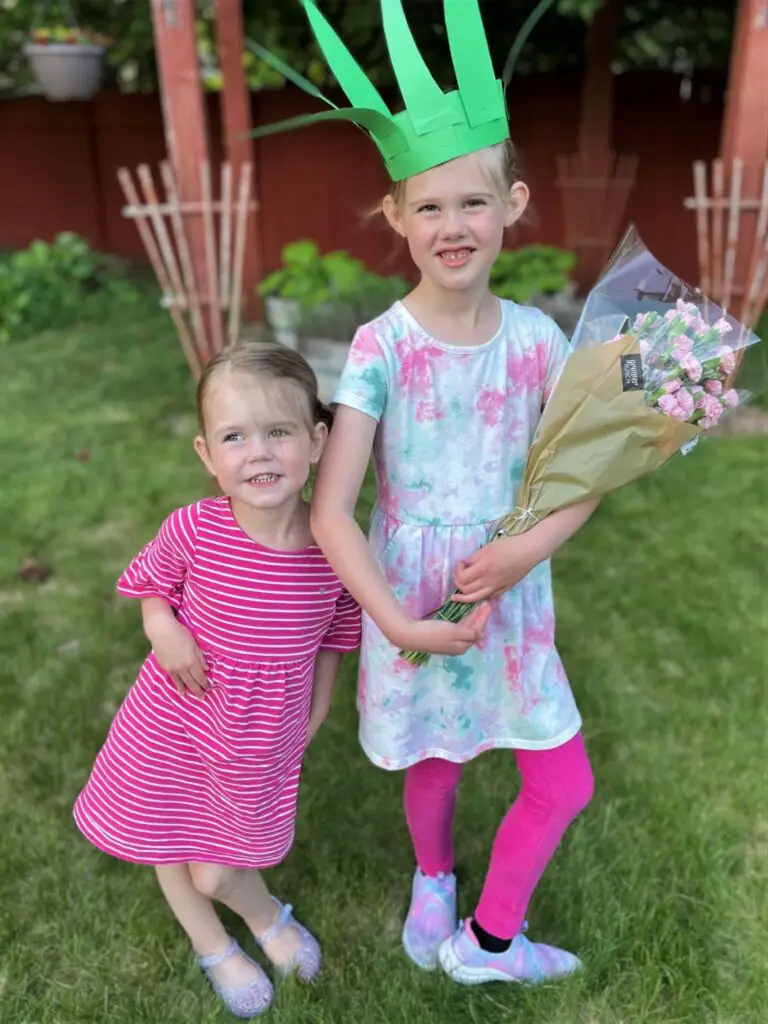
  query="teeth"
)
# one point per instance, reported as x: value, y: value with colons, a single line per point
x: 263, y: 478
x: 460, y: 255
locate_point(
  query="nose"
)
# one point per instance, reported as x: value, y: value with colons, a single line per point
x: 257, y: 449
x: 452, y: 224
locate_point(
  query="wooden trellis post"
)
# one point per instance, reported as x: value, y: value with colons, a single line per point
x: 723, y: 231
x: 165, y: 225
x: 730, y: 202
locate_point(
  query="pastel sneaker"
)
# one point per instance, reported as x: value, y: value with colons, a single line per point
x: 308, y: 959
x: 246, y: 1002
x: 526, y: 962
x: 431, y: 918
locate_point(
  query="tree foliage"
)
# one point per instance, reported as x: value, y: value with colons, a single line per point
x: 672, y: 35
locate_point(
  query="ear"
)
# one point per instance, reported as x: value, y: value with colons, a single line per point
x: 318, y: 437
x: 392, y: 213
x: 518, y: 200
x: 202, y: 450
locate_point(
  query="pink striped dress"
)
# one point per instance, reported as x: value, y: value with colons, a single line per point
x: 216, y: 780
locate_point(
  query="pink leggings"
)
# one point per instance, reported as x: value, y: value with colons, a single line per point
x: 556, y: 785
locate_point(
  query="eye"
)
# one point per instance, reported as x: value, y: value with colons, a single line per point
x: 427, y: 208
x: 476, y: 202
x: 278, y: 432
x: 233, y: 435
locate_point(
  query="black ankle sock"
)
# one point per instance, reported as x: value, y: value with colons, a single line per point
x: 490, y: 943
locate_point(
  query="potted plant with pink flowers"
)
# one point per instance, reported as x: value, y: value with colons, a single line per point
x: 67, y: 62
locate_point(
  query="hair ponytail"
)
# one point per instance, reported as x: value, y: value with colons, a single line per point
x: 323, y: 413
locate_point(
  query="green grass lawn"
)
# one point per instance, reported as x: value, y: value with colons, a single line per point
x: 662, y: 886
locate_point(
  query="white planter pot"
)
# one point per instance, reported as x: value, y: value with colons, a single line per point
x: 328, y: 354
x: 284, y: 316
x: 67, y: 71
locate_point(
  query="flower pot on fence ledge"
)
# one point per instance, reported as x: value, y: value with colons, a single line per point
x: 67, y: 71
x: 284, y: 317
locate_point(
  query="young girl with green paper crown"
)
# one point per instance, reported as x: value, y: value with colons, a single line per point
x: 445, y: 389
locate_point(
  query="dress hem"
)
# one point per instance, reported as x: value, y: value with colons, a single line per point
x: 97, y: 840
x: 508, y: 744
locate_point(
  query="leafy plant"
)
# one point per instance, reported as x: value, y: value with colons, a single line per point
x: 300, y: 278
x: 57, y: 284
x: 520, y: 274
x: 67, y: 34
x: 334, y: 291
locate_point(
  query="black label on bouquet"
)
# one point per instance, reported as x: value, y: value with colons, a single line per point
x: 632, y: 373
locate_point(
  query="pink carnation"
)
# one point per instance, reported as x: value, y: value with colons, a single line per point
x: 692, y: 367
x: 706, y: 423
x: 668, y: 404
x: 731, y: 398
x: 722, y: 326
x: 645, y: 348
x: 672, y: 386
x: 685, y: 403
x: 727, y: 359
x: 713, y: 408
x: 683, y: 345
x: 714, y: 387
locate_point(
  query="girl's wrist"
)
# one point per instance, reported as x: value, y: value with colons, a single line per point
x: 542, y: 545
x: 396, y: 627
x: 537, y: 546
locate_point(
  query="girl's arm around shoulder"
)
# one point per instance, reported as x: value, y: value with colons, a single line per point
x: 340, y: 477
x: 362, y: 398
x: 339, y: 480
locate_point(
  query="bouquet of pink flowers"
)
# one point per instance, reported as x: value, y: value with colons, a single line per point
x: 687, y: 367
x: 648, y: 372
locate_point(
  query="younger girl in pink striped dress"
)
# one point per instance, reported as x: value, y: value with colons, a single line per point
x: 200, y: 771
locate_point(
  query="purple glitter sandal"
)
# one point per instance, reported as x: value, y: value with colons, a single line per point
x: 247, y: 1002
x: 308, y: 959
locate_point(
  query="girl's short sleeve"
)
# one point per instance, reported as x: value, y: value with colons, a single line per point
x: 365, y: 379
x: 557, y: 351
x: 160, y: 568
x: 345, y: 629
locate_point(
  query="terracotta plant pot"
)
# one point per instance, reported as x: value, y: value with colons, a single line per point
x: 67, y: 71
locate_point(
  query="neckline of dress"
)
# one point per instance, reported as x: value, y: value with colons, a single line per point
x: 445, y: 346
x: 226, y: 503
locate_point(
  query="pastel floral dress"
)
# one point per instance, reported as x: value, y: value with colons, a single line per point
x: 454, y: 427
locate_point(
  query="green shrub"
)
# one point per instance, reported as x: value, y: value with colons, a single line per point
x: 57, y: 284
x: 520, y: 274
x: 334, y: 291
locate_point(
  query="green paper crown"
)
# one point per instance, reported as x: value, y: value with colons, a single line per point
x: 435, y: 126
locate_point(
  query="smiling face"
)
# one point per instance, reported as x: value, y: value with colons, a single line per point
x: 258, y: 439
x: 453, y: 218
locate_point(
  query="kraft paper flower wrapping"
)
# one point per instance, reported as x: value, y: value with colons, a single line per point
x: 649, y: 370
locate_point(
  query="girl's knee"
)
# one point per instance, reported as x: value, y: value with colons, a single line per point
x: 574, y: 788
x: 562, y: 794
x: 579, y: 791
x: 435, y: 774
x: 211, y: 880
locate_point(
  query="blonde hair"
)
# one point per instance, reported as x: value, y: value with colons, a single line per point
x: 269, y: 361
x: 499, y: 164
